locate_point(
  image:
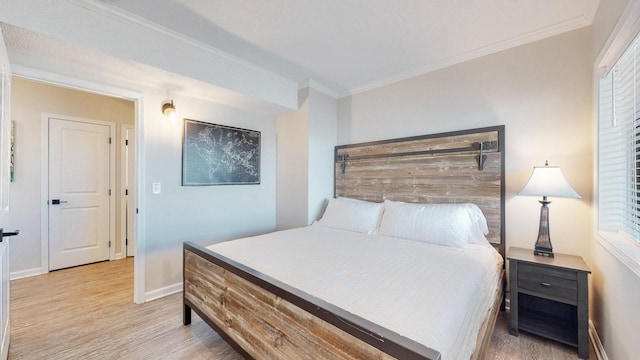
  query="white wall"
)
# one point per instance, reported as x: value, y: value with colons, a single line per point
x: 541, y: 92
x: 323, y: 112
x: 306, y: 141
x: 293, y: 160
x: 614, y: 301
x: 203, y: 214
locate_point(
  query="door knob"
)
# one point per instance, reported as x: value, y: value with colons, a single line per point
x: 8, y: 233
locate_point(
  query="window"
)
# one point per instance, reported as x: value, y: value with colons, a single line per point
x: 619, y: 146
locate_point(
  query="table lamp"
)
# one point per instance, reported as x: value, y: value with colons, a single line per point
x: 547, y: 181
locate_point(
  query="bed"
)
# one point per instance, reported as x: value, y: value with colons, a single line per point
x: 267, y: 305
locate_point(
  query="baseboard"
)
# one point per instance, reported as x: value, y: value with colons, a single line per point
x: 162, y: 292
x: 597, y: 344
x: 25, y: 273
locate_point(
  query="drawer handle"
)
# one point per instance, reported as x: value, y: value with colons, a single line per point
x: 545, y: 284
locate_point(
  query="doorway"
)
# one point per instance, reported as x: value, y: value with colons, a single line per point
x: 85, y: 108
x: 41, y: 101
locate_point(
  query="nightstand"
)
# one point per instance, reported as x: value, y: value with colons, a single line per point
x: 549, y: 297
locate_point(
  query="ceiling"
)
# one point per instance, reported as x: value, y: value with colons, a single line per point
x: 341, y: 47
x: 351, y: 45
x: 62, y: 58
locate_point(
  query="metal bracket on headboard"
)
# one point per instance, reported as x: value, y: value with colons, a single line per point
x: 343, y: 160
x: 483, y: 146
x: 481, y: 158
x: 476, y: 146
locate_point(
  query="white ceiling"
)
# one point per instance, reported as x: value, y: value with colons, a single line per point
x: 347, y: 46
x: 338, y: 46
x: 31, y: 50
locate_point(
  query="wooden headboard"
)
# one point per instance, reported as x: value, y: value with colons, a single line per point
x: 455, y: 167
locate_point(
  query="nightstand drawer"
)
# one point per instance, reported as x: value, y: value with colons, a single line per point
x: 552, y: 283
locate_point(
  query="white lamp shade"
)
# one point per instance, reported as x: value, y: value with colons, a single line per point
x: 548, y: 181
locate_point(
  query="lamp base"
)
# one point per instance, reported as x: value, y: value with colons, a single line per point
x: 543, y: 252
x: 543, y: 245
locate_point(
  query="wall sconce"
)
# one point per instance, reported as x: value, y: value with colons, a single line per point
x: 169, y: 110
x: 547, y: 181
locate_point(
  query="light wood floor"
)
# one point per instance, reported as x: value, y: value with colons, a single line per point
x: 88, y: 313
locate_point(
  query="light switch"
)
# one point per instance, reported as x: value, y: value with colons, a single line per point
x: 156, y: 188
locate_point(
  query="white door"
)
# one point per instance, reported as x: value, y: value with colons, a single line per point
x: 78, y: 193
x: 129, y: 181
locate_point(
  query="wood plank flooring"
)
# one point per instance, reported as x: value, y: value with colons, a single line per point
x: 87, y: 312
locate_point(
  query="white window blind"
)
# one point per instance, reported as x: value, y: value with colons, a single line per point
x: 619, y: 146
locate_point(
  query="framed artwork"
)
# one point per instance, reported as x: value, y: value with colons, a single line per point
x: 219, y: 155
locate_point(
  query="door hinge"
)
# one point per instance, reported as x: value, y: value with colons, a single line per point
x: 109, y: 139
x: 136, y: 210
x: 109, y: 192
x: 109, y: 243
x: 126, y: 242
x: 126, y: 142
x: 126, y: 191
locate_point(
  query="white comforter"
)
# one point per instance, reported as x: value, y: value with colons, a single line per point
x: 433, y: 294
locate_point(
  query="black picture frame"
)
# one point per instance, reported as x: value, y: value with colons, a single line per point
x: 219, y: 155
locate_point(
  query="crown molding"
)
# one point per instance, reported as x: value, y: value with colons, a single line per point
x: 310, y: 83
x: 621, y: 37
x: 573, y: 24
x: 590, y: 10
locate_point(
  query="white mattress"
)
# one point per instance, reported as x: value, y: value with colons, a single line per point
x: 433, y: 294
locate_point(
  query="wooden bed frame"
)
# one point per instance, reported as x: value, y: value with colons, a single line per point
x: 263, y: 318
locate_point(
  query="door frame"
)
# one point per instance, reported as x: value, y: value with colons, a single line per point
x: 139, y: 276
x: 127, y: 156
x: 44, y: 173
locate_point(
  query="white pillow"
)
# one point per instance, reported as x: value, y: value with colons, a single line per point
x: 480, y: 228
x: 453, y: 225
x: 353, y: 215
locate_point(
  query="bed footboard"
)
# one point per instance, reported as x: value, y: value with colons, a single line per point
x: 265, y: 319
